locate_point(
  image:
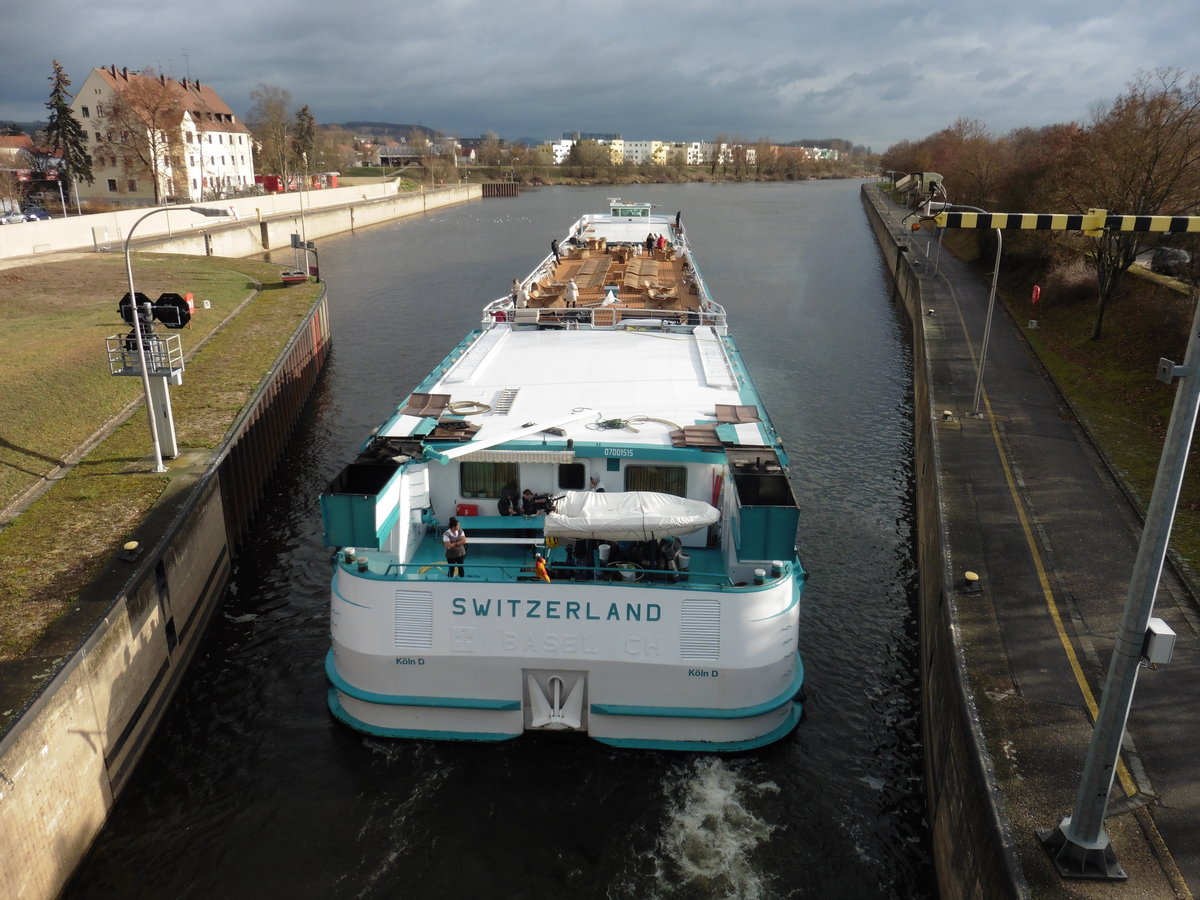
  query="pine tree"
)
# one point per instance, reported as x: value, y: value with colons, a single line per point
x: 64, y: 133
x: 304, y: 136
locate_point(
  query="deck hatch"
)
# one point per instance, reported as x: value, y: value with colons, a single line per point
x: 700, y: 629
x: 413, y: 620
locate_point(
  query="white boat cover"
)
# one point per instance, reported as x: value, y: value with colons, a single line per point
x: 627, y: 516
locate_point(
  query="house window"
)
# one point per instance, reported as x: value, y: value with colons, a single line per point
x: 188, y: 137
x: 132, y: 186
x: 87, y: 113
x: 112, y: 185
x: 220, y: 138
x: 662, y: 479
x: 487, y: 479
x: 99, y: 137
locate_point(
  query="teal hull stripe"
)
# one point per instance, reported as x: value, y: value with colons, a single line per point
x: 333, y: 589
x: 339, y: 713
x: 684, y: 712
x: 792, y: 720
x: 400, y: 700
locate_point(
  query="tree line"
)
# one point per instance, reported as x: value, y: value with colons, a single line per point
x: 1137, y: 155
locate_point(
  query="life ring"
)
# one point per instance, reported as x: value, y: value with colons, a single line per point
x: 468, y: 407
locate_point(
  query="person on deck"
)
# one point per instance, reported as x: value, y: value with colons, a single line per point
x: 455, y: 541
x: 572, y: 294
x: 597, y: 485
x: 554, y: 250
x: 539, y: 568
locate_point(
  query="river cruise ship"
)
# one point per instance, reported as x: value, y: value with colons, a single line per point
x: 630, y: 568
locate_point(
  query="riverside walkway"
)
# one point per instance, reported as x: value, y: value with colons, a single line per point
x: 1030, y: 506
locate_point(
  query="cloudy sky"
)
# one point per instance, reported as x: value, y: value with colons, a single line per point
x: 871, y: 71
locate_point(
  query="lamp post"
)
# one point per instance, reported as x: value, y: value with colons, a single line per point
x: 137, y: 322
x: 987, y: 328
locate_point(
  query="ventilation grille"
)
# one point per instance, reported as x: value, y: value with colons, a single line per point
x: 414, y: 620
x: 504, y: 402
x: 700, y: 629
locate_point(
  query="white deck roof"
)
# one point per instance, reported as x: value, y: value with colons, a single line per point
x: 628, y: 231
x: 617, y: 374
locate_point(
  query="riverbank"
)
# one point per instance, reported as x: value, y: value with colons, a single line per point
x: 1013, y: 657
x: 112, y: 576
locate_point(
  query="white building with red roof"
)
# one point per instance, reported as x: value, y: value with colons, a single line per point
x: 199, y: 149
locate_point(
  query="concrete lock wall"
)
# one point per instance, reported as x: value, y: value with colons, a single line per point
x: 970, y: 847
x: 68, y: 756
x: 263, y: 223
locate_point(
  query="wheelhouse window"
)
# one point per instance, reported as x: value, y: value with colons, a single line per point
x: 571, y: 476
x: 488, y: 479
x: 661, y: 479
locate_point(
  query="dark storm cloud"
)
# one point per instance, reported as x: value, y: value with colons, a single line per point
x: 870, y: 71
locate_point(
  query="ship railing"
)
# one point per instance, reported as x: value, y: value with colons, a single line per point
x: 632, y: 577
x: 501, y: 313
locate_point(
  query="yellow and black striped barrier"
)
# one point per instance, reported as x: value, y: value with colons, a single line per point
x: 1092, y: 223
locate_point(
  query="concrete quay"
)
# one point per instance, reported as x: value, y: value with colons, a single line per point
x: 1013, y: 664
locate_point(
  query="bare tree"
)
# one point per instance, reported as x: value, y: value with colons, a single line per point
x: 268, y: 120
x: 144, y: 132
x: 1141, y: 156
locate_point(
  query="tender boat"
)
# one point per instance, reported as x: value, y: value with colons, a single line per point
x: 293, y: 276
x: 600, y: 422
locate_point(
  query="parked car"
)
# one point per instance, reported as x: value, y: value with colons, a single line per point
x: 36, y: 213
x: 12, y: 218
x: 1170, y: 261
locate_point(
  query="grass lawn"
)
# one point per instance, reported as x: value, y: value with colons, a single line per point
x: 53, y: 321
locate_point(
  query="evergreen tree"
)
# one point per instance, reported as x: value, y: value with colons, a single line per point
x: 64, y: 133
x: 304, y: 135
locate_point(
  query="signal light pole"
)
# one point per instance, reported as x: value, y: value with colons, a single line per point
x: 137, y: 323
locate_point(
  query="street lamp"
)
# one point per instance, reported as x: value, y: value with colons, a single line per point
x: 137, y: 321
x: 987, y: 328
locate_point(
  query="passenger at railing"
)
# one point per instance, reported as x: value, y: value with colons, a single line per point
x: 521, y: 297
x: 455, y: 541
x: 554, y: 250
